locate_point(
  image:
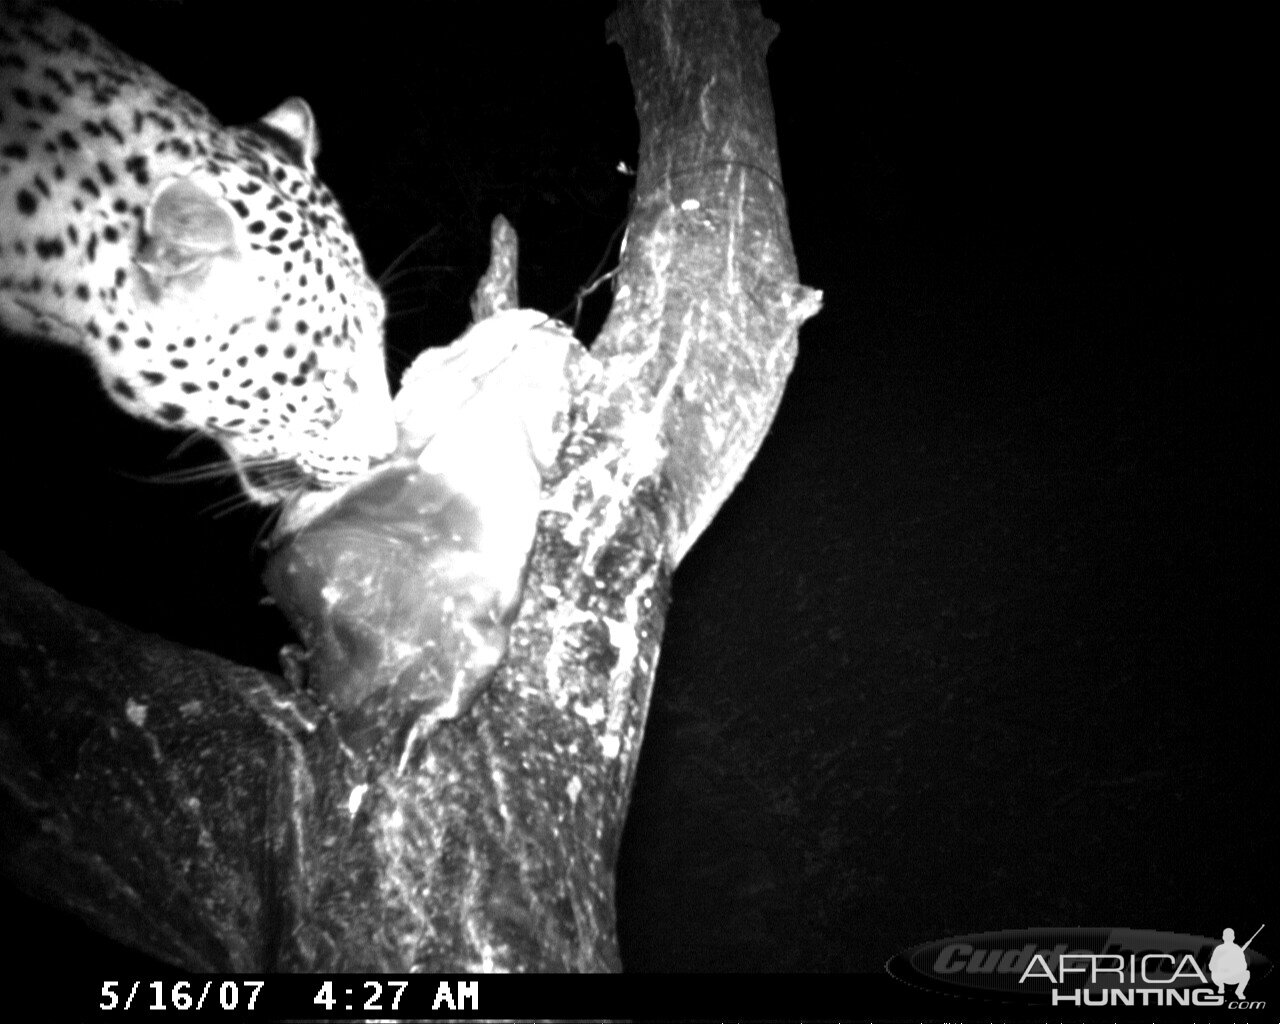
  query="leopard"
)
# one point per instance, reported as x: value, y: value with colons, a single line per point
x: 206, y: 271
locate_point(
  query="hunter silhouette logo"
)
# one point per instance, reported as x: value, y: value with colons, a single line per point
x: 1227, y: 966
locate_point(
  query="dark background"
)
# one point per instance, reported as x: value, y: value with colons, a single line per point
x: 981, y: 640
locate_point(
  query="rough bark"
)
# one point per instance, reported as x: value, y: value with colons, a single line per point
x: 220, y: 818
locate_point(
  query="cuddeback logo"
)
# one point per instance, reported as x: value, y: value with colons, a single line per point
x: 1081, y: 967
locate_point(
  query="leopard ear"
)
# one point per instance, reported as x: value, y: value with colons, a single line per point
x: 186, y: 228
x: 294, y: 119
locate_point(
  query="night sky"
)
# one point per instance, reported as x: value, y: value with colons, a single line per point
x: 981, y: 641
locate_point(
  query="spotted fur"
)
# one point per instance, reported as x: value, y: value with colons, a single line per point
x: 206, y: 271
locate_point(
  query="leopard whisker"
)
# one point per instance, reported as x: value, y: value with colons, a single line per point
x: 225, y: 506
x: 189, y: 441
x: 417, y: 243
x: 219, y: 470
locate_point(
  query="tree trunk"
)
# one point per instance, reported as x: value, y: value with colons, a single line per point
x: 222, y: 819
